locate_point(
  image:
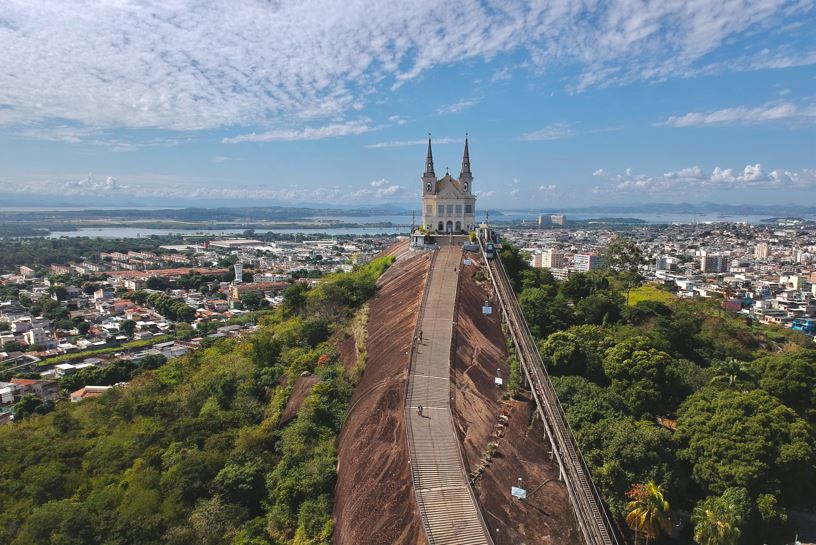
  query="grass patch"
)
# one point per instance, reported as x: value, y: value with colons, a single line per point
x: 648, y: 292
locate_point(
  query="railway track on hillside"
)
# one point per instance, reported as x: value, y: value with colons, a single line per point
x: 590, y: 513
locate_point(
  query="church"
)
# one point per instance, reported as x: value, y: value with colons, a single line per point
x: 448, y: 204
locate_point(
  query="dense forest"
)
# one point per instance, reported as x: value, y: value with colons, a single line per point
x: 684, y: 413
x: 195, y: 450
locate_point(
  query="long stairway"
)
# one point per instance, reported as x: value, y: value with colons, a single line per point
x: 446, y: 503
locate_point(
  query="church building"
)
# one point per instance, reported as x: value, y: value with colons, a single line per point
x: 448, y: 204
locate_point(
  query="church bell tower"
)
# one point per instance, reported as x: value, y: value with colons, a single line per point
x: 448, y: 204
x: 429, y: 178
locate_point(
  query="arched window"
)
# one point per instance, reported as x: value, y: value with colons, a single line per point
x: 466, y: 186
x: 458, y: 226
x: 428, y: 186
x: 441, y: 226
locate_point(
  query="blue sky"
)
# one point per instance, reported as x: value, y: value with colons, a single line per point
x: 251, y: 102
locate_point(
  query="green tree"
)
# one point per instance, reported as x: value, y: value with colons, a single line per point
x: 718, y: 520
x: 156, y: 283
x: 577, y: 351
x: 544, y: 314
x: 643, y: 376
x: 577, y: 286
x: 645, y: 311
x: 294, y: 297
x: 791, y: 378
x: 730, y: 371
x: 622, y: 450
x: 266, y: 349
x: 648, y: 511
x: 27, y: 406
x: 745, y: 439
x: 253, y: 301
x: 623, y: 257
x: 127, y: 327
x: 514, y: 263
x: 600, y: 308
x: 13, y: 346
x: 59, y: 291
x: 562, y: 355
x: 88, y: 288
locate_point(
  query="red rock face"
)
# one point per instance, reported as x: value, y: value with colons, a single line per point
x: 374, y: 501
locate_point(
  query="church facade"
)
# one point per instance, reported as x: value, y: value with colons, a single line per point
x: 448, y: 204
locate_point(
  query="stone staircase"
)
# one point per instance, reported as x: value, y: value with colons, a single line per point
x: 450, y: 515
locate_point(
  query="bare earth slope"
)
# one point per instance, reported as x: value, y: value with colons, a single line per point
x: 375, y: 502
x: 483, y: 417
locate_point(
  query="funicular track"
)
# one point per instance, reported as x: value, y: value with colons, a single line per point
x: 447, y: 505
x: 590, y: 513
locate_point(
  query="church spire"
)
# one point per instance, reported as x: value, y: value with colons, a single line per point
x: 466, y: 161
x: 429, y: 169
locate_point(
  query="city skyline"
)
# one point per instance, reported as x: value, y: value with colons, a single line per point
x: 289, y: 104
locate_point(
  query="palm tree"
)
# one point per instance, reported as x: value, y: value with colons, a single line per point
x: 712, y: 527
x: 648, y: 510
x: 731, y: 371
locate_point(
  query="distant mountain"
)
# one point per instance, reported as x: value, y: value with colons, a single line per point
x: 237, y: 214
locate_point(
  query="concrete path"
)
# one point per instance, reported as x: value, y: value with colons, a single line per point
x: 447, y: 507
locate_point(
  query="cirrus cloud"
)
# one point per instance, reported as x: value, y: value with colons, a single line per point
x: 194, y: 65
x: 770, y: 111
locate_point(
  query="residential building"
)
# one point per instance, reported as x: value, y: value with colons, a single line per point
x: 713, y: 263
x: 549, y: 259
x: 586, y: 262
x: 36, y: 336
x: 88, y: 392
x: 47, y: 390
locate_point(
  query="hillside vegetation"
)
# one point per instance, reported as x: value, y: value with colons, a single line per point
x: 194, y: 451
x: 678, y: 397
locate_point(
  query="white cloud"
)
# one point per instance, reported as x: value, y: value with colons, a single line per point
x: 752, y: 176
x: 770, y: 111
x: 174, y: 188
x: 90, y: 186
x: 546, y: 188
x: 403, y: 143
x: 458, y: 106
x: 194, y: 65
x: 221, y: 159
x: 514, y: 192
x: 378, y: 190
x: 307, y: 133
x: 560, y: 131
x: 600, y: 172
x: 485, y: 194
x: 556, y: 131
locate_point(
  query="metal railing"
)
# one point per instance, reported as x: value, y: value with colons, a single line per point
x: 590, y: 513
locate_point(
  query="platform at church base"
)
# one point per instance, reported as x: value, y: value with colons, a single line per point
x: 439, y: 239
